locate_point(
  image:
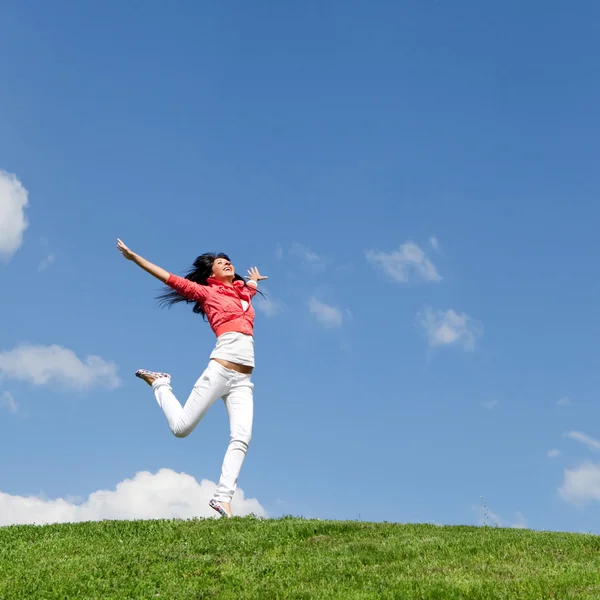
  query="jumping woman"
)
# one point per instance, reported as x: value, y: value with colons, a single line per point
x: 222, y: 296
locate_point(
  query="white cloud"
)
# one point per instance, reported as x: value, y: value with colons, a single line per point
x: 47, y: 262
x: 327, y: 315
x: 444, y: 328
x: 13, y: 222
x: 489, y: 404
x: 45, y: 364
x: 581, y: 484
x: 7, y: 401
x: 564, y: 401
x: 400, y: 264
x: 162, y: 495
x: 435, y: 244
x: 583, y: 438
x: 554, y: 453
x: 268, y: 306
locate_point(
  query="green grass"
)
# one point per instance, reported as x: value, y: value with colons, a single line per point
x: 293, y: 558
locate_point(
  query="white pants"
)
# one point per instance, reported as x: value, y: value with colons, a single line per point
x: 236, y: 391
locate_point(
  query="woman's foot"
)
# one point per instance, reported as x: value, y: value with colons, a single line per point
x: 223, y: 508
x: 151, y: 376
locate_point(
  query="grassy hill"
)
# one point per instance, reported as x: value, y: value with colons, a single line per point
x: 293, y: 558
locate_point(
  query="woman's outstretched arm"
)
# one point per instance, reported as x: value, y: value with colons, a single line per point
x: 154, y: 270
x: 186, y: 289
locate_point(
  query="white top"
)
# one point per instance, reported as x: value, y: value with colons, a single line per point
x: 235, y: 347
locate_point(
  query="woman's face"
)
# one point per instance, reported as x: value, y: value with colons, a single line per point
x: 223, y: 270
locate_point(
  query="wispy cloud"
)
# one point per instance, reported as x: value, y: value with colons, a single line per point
x: 306, y: 253
x: 400, y: 265
x: 435, y: 244
x: 268, y: 306
x: 489, y: 404
x: 278, y: 252
x: 447, y: 328
x: 13, y: 222
x: 519, y: 523
x: 308, y: 256
x: 564, y: 401
x: 488, y: 517
x: 46, y: 364
x: 581, y: 484
x: 162, y: 495
x: 326, y: 314
x: 7, y: 401
x: 47, y: 262
x: 583, y: 438
x: 554, y: 453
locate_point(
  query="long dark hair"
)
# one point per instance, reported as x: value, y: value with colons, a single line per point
x: 199, y: 273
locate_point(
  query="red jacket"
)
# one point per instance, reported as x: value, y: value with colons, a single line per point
x: 222, y: 303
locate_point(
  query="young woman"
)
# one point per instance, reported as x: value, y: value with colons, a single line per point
x: 224, y: 298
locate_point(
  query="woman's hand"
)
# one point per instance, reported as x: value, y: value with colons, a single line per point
x: 124, y: 250
x: 254, y: 275
x: 154, y: 270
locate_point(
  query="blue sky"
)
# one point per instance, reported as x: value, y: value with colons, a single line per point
x: 418, y: 180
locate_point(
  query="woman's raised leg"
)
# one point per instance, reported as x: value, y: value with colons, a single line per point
x: 211, y: 386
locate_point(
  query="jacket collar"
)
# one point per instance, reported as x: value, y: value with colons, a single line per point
x: 238, y: 287
x: 236, y: 284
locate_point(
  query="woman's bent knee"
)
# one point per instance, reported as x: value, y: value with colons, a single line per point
x: 181, y: 431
